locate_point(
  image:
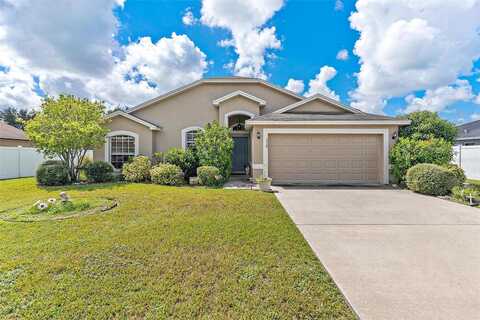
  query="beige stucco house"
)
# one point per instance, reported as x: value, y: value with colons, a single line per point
x: 277, y: 133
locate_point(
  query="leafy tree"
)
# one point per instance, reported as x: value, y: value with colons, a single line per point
x: 15, y: 117
x: 67, y: 127
x: 408, y: 152
x: 426, y: 125
x: 214, y: 147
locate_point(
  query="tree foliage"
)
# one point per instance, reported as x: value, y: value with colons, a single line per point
x: 16, y: 117
x: 426, y: 125
x: 408, y: 152
x: 66, y: 127
x: 214, y: 147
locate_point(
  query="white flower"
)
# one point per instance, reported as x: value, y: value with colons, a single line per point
x: 52, y: 200
x: 42, y: 206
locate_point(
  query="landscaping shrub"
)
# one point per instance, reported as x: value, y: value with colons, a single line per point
x: 214, y: 148
x: 157, y: 158
x: 185, y: 159
x: 430, y: 179
x: 458, y: 172
x: 99, y: 171
x: 52, y: 173
x: 138, y: 170
x: 167, y: 174
x: 408, y: 152
x: 209, y: 176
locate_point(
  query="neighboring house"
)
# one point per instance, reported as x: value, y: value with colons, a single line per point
x: 276, y: 133
x: 468, y: 134
x: 13, y: 137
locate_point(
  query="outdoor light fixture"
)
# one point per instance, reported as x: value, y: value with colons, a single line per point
x: 258, y: 135
x: 394, y: 136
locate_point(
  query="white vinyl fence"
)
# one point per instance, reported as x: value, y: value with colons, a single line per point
x: 17, y: 162
x: 468, y: 158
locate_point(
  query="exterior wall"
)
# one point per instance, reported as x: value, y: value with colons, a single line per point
x: 257, y: 144
x: 15, y: 143
x: 238, y: 103
x: 145, y: 136
x: 317, y: 106
x: 194, y: 107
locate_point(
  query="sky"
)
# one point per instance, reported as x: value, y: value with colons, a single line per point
x: 381, y: 56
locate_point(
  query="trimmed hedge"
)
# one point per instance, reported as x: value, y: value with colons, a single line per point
x: 209, y: 176
x: 458, y: 172
x: 167, y: 174
x: 430, y: 179
x: 99, y: 171
x: 52, y: 173
x: 138, y: 170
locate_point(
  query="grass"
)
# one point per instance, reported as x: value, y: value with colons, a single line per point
x: 164, y: 252
x: 475, y: 183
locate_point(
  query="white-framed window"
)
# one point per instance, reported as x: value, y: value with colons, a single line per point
x: 188, y: 136
x: 120, y: 147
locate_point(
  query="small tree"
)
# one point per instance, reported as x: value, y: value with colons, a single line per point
x: 66, y: 127
x: 214, y: 147
x: 426, y: 125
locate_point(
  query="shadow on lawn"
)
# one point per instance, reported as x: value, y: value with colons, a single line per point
x: 84, y: 187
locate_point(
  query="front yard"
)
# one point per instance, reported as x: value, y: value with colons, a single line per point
x: 164, y: 252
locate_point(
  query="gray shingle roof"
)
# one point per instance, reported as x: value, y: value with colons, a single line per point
x: 469, y: 130
x: 10, y: 132
x: 320, y: 117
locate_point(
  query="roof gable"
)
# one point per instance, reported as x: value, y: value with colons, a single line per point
x: 239, y: 80
x: 120, y: 113
x: 328, y: 106
x: 241, y: 94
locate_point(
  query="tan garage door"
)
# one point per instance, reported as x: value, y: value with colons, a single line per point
x: 325, y: 158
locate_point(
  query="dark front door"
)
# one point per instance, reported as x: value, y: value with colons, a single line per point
x: 240, y: 154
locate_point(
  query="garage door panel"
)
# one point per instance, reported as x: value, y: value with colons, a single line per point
x: 325, y: 158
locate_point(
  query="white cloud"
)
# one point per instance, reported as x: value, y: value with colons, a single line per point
x: 342, y: 54
x: 249, y: 38
x: 17, y: 89
x: 477, y: 99
x: 407, y: 46
x: 475, y: 116
x: 296, y: 86
x: 188, y: 18
x: 74, y: 51
x: 339, y: 5
x: 319, y: 84
x: 440, y: 98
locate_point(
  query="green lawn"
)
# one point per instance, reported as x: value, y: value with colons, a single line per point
x: 165, y: 252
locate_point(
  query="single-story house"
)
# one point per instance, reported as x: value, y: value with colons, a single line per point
x: 13, y: 137
x: 277, y: 133
x: 468, y: 134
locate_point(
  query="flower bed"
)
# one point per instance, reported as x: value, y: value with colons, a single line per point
x: 57, y: 209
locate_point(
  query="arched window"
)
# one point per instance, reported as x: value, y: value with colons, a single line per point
x: 189, y: 135
x: 235, y: 120
x: 121, y: 146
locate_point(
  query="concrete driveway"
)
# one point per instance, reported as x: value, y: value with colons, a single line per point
x: 393, y: 253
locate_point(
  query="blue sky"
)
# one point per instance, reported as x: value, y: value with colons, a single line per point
x: 124, y: 51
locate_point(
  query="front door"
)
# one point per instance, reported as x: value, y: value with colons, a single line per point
x: 239, y: 154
